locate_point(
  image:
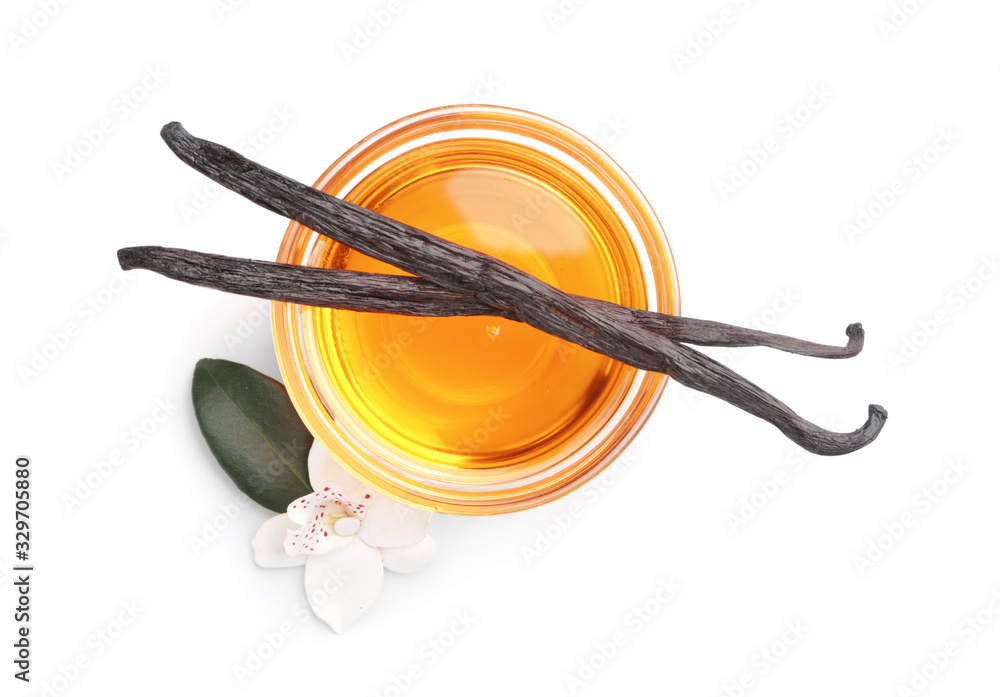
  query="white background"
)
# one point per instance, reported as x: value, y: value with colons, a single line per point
x: 775, y: 251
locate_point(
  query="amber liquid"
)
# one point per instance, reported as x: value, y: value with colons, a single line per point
x: 480, y: 392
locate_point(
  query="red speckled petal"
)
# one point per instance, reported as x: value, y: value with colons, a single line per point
x: 315, y: 515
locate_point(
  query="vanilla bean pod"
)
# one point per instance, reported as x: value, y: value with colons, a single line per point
x: 504, y: 287
x: 407, y: 295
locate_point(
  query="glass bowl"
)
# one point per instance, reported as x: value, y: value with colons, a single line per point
x: 420, y: 160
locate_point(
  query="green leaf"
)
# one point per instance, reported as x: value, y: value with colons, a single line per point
x: 252, y: 429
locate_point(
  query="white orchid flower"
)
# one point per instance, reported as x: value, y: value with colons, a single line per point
x: 344, y: 533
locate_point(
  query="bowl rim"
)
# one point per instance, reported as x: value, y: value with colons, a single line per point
x: 442, y: 123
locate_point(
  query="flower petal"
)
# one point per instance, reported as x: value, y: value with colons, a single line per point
x: 269, y: 544
x: 341, y: 585
x: 317, y: 515
x: 323, y: 468
x: 301, y: 509
x: 392, y: 523
x: 403, y: 560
